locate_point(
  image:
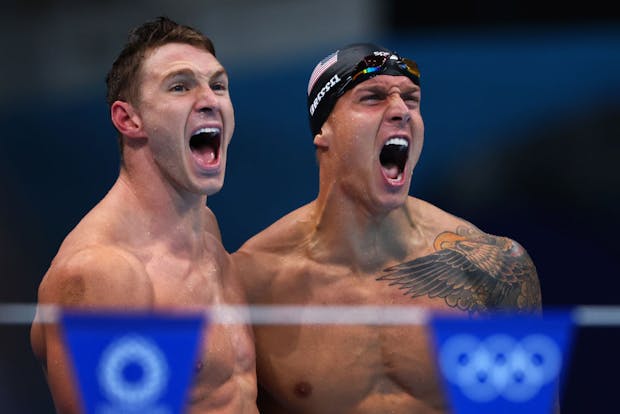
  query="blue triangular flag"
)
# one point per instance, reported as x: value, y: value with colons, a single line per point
x: 133, y: 362
x: 503, y: 363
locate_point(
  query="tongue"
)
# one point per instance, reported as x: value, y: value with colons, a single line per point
x: 206, y: 156
x: 391, y: 171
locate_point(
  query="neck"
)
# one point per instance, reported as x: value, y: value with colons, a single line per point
x: 158, y: 209
x: 347, y: 232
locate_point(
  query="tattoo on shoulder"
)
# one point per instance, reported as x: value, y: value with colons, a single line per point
x: 472, y: 271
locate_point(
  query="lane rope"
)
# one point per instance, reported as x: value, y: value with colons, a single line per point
x: 583, y: 315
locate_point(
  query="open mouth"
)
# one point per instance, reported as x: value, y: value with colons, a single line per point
x: 393, y: 158
x: 205, y: 145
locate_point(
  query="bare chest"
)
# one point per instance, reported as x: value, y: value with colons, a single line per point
x: 352, y: 365
x: 224, y: 369
x: 226, y: 360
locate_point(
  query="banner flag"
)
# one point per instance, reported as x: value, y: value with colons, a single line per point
x: 503, y: 363
x: 133, y: 362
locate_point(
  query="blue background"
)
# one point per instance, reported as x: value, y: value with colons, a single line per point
x: 522, y: 139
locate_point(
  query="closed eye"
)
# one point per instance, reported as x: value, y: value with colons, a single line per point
x: 372, y: 97
x: 411, y: 100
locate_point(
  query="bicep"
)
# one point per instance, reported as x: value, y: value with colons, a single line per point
x: 89, y: 280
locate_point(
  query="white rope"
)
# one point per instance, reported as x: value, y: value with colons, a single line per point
x: 583, y: 315
x: 596, y: 315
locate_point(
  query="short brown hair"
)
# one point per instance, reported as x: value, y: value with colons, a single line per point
x: 123, y: 78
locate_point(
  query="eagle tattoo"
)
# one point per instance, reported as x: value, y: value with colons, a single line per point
x: 471, y: 271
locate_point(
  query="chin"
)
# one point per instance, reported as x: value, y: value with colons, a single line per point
x: 213, y: 189
x: 209, y: 186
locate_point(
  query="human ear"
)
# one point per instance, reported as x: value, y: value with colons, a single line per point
x: 321, y: 138
x: 126, y: 120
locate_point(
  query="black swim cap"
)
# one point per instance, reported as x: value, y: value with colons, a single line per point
x: 347, y: 67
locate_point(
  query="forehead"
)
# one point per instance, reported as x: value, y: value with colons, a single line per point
x: 177, y: 56
x: 388, y: 81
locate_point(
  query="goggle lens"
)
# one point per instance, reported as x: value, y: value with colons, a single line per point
x: 411, y: 67
x: 374, y: 63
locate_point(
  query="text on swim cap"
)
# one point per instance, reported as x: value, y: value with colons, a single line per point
x: 330, y: 84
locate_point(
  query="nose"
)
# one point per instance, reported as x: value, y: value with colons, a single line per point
x: 398, y: 111
x: 206, y: 101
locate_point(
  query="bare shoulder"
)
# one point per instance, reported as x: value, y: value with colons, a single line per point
x: 472, y: 270
x: 283, y: 233
x: 92, y: 276
x: 259, y: 258
x: 96, y: 275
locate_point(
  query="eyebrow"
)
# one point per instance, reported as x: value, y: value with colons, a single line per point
x: 191, y: 73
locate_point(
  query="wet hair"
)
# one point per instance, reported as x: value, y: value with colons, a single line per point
x: 123, y: 79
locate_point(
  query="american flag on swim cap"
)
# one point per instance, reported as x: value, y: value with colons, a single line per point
x: 321, y: 68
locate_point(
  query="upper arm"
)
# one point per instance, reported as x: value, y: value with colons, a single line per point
x: 528, y: 277
x: 506, y: 261
x: 92, y: 278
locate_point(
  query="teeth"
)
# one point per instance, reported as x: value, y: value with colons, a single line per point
x: 398, y: 141
x: 210, y: 131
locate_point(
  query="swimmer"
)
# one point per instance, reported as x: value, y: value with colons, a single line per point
x: 152, y: 243
x: 365, y: 241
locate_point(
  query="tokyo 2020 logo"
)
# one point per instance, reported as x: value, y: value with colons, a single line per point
x: 133, y: 372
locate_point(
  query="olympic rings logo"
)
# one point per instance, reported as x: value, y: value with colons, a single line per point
x: 500, y: 365
x: 147, y: 360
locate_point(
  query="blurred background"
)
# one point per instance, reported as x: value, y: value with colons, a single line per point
x: 521, y: 101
